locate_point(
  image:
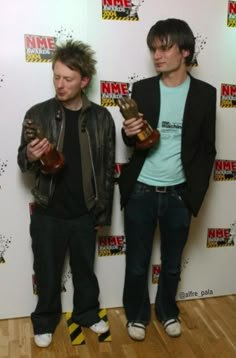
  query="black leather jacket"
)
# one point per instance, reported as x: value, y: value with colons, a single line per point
x: 97, y: 141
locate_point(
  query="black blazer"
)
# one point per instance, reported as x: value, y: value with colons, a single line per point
x: 198, y: 138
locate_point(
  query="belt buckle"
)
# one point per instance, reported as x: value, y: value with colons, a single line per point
x: 160, y: 189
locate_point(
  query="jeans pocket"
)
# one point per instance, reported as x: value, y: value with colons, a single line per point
x: 176, y: 195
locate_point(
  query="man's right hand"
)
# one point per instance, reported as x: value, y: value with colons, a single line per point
x: 36, y: 148
x: 133, y: 126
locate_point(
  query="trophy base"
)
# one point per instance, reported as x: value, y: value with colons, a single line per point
x: 51, y: 163
x: 149, y: 141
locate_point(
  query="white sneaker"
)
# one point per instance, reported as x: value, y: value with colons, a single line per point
x: 136, y: 330
x: 43, y: 340
x: 172, y: 327
x: 99, y: 327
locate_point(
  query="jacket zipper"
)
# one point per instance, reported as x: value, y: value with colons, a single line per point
x: 57, y: 146
x: 93, y: 169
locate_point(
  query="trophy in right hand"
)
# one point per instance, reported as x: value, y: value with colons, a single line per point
x: 148, y: 136
x: 52, y: 160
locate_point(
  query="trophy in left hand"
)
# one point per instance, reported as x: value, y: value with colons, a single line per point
x: 52, y: 160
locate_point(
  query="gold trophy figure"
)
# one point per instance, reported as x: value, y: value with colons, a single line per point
x: 52, y: 160
x: 148, y: 136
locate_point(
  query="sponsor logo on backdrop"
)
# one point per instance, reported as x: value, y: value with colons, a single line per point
x: 156, y: 269
x: 231, y: 20
x: 5, y: 243
x: 111, y: 245
x: 224, y: 170
x: 118, y: 169
x: 111, y: 91
x: 200, y: 43
x: 39, y: 48
x: 228, y: 96
x: 221, y: 237
x: 126, y: 10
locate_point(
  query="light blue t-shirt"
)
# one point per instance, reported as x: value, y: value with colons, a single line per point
x: 163, y: 166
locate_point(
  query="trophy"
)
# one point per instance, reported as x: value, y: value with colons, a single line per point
x: 148, y: 136
x: 52, y: 160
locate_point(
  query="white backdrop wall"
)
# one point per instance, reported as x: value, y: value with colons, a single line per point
x: 120, y: 45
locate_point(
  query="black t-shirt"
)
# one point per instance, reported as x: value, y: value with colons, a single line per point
x: 68, y: 199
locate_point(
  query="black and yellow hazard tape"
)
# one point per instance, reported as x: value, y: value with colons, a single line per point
x: 75, y: 331
x: 220, y: 244
x: 33, y: 57
x: 112, y: 15
x: 231, y: 22
x: 155, y: 280
x: 119, y: 18
x: 108, y: 102
x: 104, y: 337
x: 227, y: 104
x: 212, y: 244
x: 110, y: 253
x: 221, y: 177
x: 38, y: 61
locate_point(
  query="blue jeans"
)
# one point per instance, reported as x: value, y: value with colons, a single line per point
x: 142, y: 213
x: 51, y: 239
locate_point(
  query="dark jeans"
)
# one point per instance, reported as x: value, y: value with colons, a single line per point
x: 51, y: 239
x: 142, y: 213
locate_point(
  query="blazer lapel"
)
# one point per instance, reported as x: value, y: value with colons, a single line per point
x: 153, y: 99
x: 189, y: 111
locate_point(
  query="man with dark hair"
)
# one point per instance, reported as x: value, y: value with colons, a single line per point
x: 166, y: 183
x: 69, y: 143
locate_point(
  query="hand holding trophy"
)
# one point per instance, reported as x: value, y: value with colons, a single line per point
x: 52, y: 160
x: 148, y: 136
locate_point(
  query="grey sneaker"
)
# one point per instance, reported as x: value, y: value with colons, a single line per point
x: 172, y: 327
x: 43, y: 340
x: 99, y: 327
x: 136, y: 330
